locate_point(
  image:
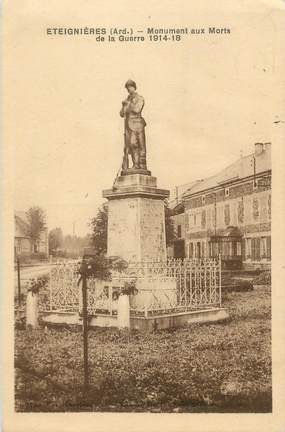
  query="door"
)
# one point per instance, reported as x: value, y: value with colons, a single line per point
x: 179, y: 249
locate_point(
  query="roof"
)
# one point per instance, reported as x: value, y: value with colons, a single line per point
x: 230, y: 232
x: 242, y: 168
x: 22, y: 215
x: 178, y: 192
x: 20, y: 224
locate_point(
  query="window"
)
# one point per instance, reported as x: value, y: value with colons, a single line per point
x: 179, y: 231
x: 247, y: 248
x: 240, y: 212
x: 247, y: 210
x: 255, y: 249
x: 255, y: 209
x: 268, y: 248
x: 234, y: 213
x: 263, y: 209
x: 190, y: 253
x: 198, y: 250
x: 263, y: 247
x: 203, y: 219
x: 198, y: 219
x: 214, y: 250
x: 227, y: 215
x: 191, y: 220
x: 239, y: 249
x: 208, y: 218
x: 227, y: 192
x: 209, y: 249
x: 214, y: 217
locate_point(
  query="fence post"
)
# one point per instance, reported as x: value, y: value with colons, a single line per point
x: 19, y: 281
x: 145, y: 311
x: 124, y: 311
x: 32, y: 309
x: 85, y: 324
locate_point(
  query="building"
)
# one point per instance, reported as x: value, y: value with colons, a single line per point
x: 23, y: 244
x: 229, y: 214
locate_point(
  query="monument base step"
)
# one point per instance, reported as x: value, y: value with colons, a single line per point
x: 130, y: 171
x: 159, y: 322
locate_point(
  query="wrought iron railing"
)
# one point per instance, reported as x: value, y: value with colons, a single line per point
x: 161, y: 288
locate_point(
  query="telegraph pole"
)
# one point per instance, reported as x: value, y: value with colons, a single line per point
x: 19, y: 281
x: 85, y: 324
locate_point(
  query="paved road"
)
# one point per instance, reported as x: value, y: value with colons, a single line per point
x: 30, y: 272
x: 33, y: 271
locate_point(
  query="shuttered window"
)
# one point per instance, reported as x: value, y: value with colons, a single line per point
x: 255, y: 249
x: 268, y: 248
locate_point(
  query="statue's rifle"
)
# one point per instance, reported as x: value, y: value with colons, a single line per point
x: 126, y: 150
x: 125, y: 153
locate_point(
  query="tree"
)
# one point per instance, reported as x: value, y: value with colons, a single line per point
x: 55, y: 239
x: 98, y: 224
x: 99, y: 229
x: 36, y: 223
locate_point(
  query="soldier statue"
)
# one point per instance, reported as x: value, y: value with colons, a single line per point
x: 134, y: 129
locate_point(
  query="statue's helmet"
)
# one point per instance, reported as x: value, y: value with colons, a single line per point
x: 130, y: 83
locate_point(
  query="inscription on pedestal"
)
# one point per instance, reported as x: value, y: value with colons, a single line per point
x: 136, y: 220
x: 152, y: 230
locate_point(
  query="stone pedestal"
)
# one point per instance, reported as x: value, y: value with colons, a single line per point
x: 32, y: 310
x: 123, y: 311
x: 136, y: 221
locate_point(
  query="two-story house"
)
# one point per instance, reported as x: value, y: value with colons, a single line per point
x: 23, y: 244
x: 229, y: 214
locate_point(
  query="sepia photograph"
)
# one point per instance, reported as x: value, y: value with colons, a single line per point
x: 141, y: 212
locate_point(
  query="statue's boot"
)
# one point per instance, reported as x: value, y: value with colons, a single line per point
x: 136, y: 160
x: 143, y: 162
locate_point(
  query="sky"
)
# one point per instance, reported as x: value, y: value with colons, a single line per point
x: 207, y: 98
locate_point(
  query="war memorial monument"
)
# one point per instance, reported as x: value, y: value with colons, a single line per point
x: 136, y: 227
x: 166, y: 292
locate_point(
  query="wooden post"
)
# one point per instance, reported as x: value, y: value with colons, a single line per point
x: 85, y: 324
x: 19, y: 281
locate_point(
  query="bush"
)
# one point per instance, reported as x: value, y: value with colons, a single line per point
x: 35, y: 285
x: 263, y: 279
x: 233, y: 284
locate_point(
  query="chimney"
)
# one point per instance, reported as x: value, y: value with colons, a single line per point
x: 267, y: 146
x: 258, y: 148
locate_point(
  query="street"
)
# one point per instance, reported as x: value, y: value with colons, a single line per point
x: 29, y: 272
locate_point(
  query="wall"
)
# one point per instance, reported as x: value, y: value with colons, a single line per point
x: 243, y: 205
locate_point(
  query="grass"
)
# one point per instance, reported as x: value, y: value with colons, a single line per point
x: 218, y: 367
